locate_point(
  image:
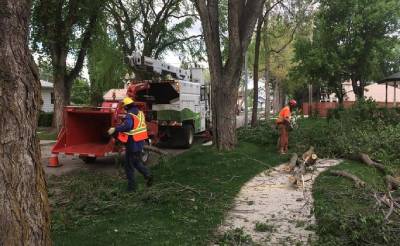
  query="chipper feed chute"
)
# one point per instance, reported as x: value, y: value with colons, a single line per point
x: 84, y: 134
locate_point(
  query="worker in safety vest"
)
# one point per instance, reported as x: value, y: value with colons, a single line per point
x: 133, y: 132
x: 283, y: 123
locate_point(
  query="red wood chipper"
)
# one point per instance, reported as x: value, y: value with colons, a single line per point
x: 175, y: 108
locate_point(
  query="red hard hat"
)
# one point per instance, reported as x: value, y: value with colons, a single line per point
x: 292, y: 102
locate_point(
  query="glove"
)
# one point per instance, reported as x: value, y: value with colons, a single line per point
x: 111, y: 131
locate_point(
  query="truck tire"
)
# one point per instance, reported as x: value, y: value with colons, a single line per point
x: 188, y: 135
x: 88, y: 159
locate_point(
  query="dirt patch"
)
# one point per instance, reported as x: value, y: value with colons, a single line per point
x: 272, y: 211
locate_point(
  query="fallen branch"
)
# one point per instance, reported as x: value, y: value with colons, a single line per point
x: 358, y: 182
x: 391, y: 183
x: 155, y: 150
x: 186, y: 187
x: 390, y: 210
x: 367, y: 160
x: 293, y: 161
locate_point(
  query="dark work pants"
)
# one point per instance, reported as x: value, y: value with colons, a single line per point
x: 133, y: 160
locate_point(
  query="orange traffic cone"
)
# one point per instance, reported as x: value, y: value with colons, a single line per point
x: 53, y: 161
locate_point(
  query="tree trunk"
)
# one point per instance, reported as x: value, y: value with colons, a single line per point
x: 24, y: 212
x: 267, y: 70
x: 358, y: 87
x: 255, y: 71
x: 242, y: 18
x: 224, y: 112
x: 267, y: 97
x: 277, y: 97
x: 62, y: 98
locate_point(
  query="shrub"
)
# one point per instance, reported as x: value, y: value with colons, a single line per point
x: 45, y: 119
x: 264, y: 133
x: 361, y: 128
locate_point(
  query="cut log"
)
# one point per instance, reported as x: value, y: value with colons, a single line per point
x: 312, y: 160
x: 391, y: 183
x: 309, y: 157
x: 357, y: 181
x: 308, y: 153
x: 367, y: 160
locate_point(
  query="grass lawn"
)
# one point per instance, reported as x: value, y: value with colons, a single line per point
x: 45, y: 133
x: 192, y: 192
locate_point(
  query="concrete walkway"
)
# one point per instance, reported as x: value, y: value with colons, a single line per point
x: 269, y: 199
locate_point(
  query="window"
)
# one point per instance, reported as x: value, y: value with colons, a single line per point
x: 52, y: 98
x: 203, y: 93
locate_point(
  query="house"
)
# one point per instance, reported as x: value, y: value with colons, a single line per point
x: 374, y: 91
x: 47, y: 96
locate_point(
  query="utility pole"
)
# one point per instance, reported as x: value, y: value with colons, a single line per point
x: 246, y: 80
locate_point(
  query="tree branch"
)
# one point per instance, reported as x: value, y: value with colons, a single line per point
x: 173, y: 42
x: 84, y: 47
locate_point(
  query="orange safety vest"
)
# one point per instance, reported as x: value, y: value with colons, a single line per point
x: 285, y: 112
x: 139, y: 130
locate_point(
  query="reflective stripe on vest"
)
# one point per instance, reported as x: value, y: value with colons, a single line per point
x: 139, y: 131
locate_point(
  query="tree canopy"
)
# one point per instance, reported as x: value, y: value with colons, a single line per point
x: 352, y: 40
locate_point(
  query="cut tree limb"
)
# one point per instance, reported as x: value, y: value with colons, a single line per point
x: 358, y: 182
x: 155, y: 150
x: 391, y: 183
x: 293, y: 161
x: 367, y: 160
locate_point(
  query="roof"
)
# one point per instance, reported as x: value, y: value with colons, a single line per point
x: 391, y: 79
x: 46, y: 84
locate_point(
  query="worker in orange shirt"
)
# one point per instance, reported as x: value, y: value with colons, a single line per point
x: 283, y: 123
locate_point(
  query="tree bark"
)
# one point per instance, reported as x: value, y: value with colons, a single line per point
x: 255, y: 70
x: 242, y: 17
x: 358, y: 87
x: 277, y: 97
x: 24, y: 212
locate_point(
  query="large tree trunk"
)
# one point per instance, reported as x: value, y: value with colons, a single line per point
x: 62, y: 98
x: 224, y: 112
x: 59, y: 101
x: 62, y: 89
x: 255, y: 70
x: 242, y: 18
x: 24, y: 212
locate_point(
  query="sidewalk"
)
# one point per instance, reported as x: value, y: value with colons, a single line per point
x: 47, y: 142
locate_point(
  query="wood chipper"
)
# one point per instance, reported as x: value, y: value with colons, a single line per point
x: 175, y: 108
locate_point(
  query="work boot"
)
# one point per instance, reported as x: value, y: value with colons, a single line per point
x: 149, y: 181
